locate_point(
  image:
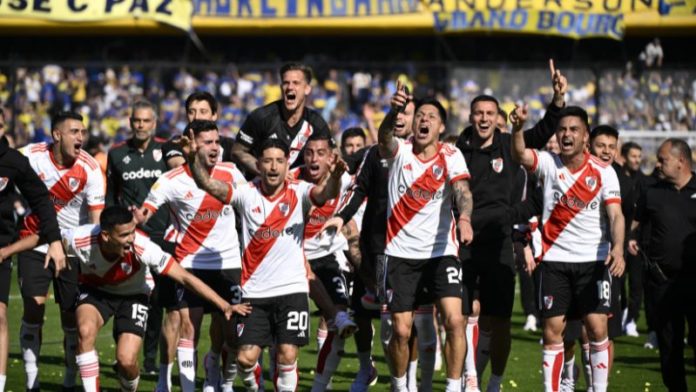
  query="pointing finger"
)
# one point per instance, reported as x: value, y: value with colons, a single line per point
x: 552, y: 68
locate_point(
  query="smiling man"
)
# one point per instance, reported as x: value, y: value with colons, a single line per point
x: 288, y: 120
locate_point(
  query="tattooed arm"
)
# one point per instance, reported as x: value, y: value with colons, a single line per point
x: 465, y: 204
x: 216, y: 188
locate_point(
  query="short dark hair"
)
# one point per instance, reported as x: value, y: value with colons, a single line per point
x: 198, y: 126
x: 273, y: 143
x: 604, y: 130
x: 502, y: 113
x: 306, y: 70
x: 628, y: 146
x: 62, y: 116
x: 681, y: 148
x: 202, y: 96
x: 483, y: 98
x: 434, y: 102
x: 114, y: 215
x: 575, y: 111
x: 352, y: 132
x: 322, y: 136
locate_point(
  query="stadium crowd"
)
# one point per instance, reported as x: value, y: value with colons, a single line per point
x: 253, y: 203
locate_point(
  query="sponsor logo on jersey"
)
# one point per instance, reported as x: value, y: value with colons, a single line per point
x: 273, y: 136
x: 256, y: 210
x: 591, y: 182
x: 420, y: 193
x: 245, y: 137
x: 548, y: 301
x: 126, y: 159
x: 140, y: 174
x: 73, y: 183
x: 301, y: 334
x: 3, y: 183
x: 268, y: 233
x: 157, y: 154
x: 437, y: 171
x: 240, y: 329
x: 497, y: 164
x: 574, y: 202
x: 209, y: 214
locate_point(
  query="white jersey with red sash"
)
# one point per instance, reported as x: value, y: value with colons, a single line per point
x: 574, y: 221
x: 273, y: 260
x: 74, y: 190
x: 126, y: 276
x: 420, y: 223
x: 317, y: 245
x: 205, y: 228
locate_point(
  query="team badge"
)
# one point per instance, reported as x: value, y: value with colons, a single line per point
x: 3, y: 183
x: 73, y: 183
x: 240, y: 329
x: 591, y: 182
x: 497, y: 164
x: 437, y: 171
x: 157, y: 154
x: 548, y: 301
x: 126, y: 159
x: 284, y: 208
x: 127, y: 268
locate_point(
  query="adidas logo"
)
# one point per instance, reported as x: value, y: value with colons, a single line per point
x: 256, y: 210
x: 188, y: 195
x: 601, y: 366
x: 301, y: 334
x: 546, y: 364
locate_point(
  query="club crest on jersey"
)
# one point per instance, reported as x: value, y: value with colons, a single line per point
x: 127, y: 268
x: 497, y: 164
x: 591, y: 182
x: 73, y: 183
x: 437, y: 171
x: 3, y: 183
x: 240, y: 329
x: 284, y: 208
x: 548, y: 301
x: 157, y: 154
x: 126, y: 159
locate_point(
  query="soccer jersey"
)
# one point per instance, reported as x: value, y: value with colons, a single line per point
x: 273, y: 261
x: 205, y: 228
x: 574, y: 220
x: 127, y: 276
x: 318, y: 245
x: 420, y: 223
x: 74, y: 190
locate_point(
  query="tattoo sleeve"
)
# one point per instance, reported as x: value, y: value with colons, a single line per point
x: 215, y: 188
x: 463, y: 198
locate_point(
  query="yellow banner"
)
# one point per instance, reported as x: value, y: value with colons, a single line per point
x: 173, y: 12
x: 271, y: 9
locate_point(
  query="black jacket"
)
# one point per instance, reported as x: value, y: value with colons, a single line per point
x: 493, y: 174
x: 15, y: 171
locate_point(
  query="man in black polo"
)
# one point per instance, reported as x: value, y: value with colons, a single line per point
x: 288, y: 119
x: 669, y: 207
x: 132, y: 168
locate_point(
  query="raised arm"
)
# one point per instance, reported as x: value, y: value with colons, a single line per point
x: 538, y: 135
x: 387, y: 143
x: 520, y: 153
x: 615, y: 259
x: 465, y: 204
x: 331, y: 186
x: 216, y: 188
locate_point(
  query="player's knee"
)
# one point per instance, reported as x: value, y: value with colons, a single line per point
x: 454, y: 323
x: 127, y: 361
x: 87, y: 331
x: 246, y: 360
x: 401, y: 332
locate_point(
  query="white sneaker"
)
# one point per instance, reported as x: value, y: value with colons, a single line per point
x: 364, y: 379
x: 567, y: 385
x: 209, y: 387
x: 344, y: 325
x: 531, y: 323
x: 631, y: 329
x: 651, y: 343
x: 471, y: 384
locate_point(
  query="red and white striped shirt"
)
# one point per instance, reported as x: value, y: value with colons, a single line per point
x: 575, y: 227
x: 420, y: 223
x: 205, y: 228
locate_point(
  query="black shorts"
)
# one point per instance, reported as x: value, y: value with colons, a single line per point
x: 34, y: 279
x: 614, y: 325
x: 329, y: 273
x: 421, y: 282
x: 275, y: 320
x: 130, y: 311
x: 488, y: 273
x: 5, y: 280
x: 224, y: 282
x: 574, y: 289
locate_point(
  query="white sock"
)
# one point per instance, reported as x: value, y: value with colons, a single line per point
x: 89, y: 370
x: 128, y: 385
x: 412, y: 376
x: 287, y: 378
x: 251, y: 377
x: 186, y: 359
x: 321, y: 338
x: 365, y: 359
x: 494, y: 382
x: 30, y: 342
x: 552, y: 366
x: 454, y: 385
x: 327, y: 361
x: 3, y: 379
x: 427, y: 347
x: 70, y: 347
x: 385, y: 333
x: 482, y: 352
x: 568, y: 369
x: 229, y: 365
x: 586, y: 366
x: 211, y: 364
x: 599, y: 358
x: 399, y: 384
x: 472, y: 338
x: 164, y: 381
